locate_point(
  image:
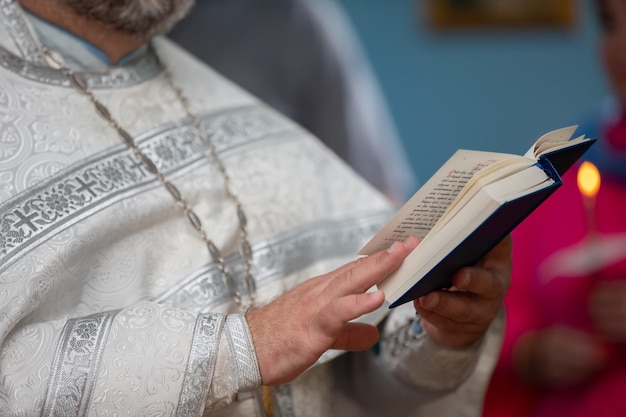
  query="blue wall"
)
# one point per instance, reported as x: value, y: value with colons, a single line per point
x: 496, y: 90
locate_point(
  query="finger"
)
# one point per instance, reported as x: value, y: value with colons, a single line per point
x: 371, y: 270
x: 356, y: 337
x: 333, y: 317
x: 459, y: 307
x: 331, y: 321
x: 345, y: 273
x: 485, y: 283
x: 449, y: 333
x: 490, y: 278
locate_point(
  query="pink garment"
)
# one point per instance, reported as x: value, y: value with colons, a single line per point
x: 560, y: 297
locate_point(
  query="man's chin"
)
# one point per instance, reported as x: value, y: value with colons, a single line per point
x: 141, y: 19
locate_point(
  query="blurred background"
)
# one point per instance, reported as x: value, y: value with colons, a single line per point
x: 456, y: 76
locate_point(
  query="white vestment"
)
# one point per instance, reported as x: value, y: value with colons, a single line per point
x: 109, y: 302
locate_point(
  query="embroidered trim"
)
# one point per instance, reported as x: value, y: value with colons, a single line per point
x: 144, y: 67
x: 240, y: 342
x: 80, y: 190
x: 274, y: 259
x: 200, y: 365
x: 406, y: 335
x: 32, y: 65
x: 11, y: 17
x: 76, y: 363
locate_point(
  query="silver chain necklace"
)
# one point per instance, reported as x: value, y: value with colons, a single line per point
x: 245, y: 250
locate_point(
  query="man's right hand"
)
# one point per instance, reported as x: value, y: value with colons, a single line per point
x: 294, y: 330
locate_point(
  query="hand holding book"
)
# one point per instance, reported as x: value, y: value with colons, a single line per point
x: 471, y: 203
x: 459, y: 318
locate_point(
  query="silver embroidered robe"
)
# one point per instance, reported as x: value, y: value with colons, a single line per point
x: 109, y: 304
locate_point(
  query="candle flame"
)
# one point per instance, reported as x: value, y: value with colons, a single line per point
x: 588, y: 179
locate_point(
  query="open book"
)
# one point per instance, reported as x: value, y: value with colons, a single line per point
x: 469, y: 205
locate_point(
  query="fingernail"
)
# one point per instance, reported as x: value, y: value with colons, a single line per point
x: 408, y: 242
x: 394, y: 247
x: 375, y: 298
x: 374, y: 294
x: 429, y: 301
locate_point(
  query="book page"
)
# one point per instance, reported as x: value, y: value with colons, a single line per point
x: 424, y: 209
x: 477, y: 210
x: 493, y: 173
x: 555, y: 139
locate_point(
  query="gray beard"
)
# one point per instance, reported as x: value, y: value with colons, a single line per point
x: 140, y: 18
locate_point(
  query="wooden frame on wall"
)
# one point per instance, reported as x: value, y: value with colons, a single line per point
x: 460, y: 14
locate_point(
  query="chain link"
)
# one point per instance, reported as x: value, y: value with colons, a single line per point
x: 245, y: 250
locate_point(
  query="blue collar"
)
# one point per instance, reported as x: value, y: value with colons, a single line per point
x: 78, y: 53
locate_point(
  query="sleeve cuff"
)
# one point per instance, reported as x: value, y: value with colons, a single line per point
x: 417, y: 360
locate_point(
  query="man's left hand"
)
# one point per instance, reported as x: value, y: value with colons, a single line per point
x: 459, y: 317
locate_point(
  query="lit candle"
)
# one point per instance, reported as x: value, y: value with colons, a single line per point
x: 589, y: 184
x: 588, y: 255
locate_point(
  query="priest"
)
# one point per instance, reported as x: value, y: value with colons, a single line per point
x: 159, y: 229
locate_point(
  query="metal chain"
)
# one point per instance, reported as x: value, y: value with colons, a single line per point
x: 245, y: 250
